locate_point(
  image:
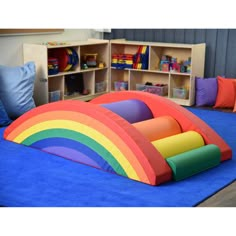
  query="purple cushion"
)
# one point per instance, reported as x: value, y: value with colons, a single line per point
x: 206, y: 91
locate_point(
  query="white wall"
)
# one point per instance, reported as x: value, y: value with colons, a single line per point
x: 11, y: 53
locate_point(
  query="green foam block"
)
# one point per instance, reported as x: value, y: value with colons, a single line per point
x: 192, y: 162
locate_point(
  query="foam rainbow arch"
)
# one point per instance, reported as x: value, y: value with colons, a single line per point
x: 90, y: 134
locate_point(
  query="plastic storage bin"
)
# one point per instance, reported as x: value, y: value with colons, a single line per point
x: 100, y: 87
x: 120, y: 85
x: 141, y: 87
x: 180, y: 93
x: 54, y: 96
x: 159, y: 90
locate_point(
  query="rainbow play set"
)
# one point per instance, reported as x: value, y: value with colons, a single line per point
x: 135, y: 134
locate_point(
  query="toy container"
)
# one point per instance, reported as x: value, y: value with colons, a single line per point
x: 161, y: 90
x: 180, y: 93
x: 100, y: 87
x: 120, y: 85
x: 54, y: 96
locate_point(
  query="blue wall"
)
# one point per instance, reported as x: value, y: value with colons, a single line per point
x: 220, y: 44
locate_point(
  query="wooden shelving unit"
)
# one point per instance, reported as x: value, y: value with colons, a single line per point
x: 109, y: 75
x: 153, y: 74
x: 47, y: 83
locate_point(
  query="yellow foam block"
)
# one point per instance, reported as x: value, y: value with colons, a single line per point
x: 178, y: 143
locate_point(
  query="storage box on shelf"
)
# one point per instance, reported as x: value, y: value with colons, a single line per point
x: 173, y: 64
x: 180, y: 93
x: 54, y: 96
x: 161, y: 90
x: 100, y: 87
x: 120, y: 85
x: 54, y: 62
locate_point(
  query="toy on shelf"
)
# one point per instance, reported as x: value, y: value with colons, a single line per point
x: 53, y: 67
x: 84, y: 66
x: 90, y: 59
x: 141, y: 58
x: 138, y: 60
x: 171, y: 64
x: 55, y: 43
x: 165, y: 63
x: 122, y: 61
x: 101, y: 64
x: 67, y: 58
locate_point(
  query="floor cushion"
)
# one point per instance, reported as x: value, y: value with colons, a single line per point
x: 4, y: 119
x: 16, y: 88
x: 206, y: 91
x: 226, y: 93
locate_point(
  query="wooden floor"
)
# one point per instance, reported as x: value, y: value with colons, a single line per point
x: 224, y: 198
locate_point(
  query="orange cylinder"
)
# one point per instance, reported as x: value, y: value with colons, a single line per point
x: 158, y: 128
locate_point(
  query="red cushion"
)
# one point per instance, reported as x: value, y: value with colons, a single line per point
x: 226, y: 93
x: 235, y: 100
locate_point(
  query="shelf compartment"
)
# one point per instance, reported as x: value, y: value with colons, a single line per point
x: 119, y: 75
x: 124, y: 49
x: 158, y: 90
x: 54, y: 53
x: 180, y: 85
x: 156, y: 53
x: 89, y: 81
x: 101, y: 81
x: 76, y: 84
x: 102, y: 51
x: 55, y: 84
x: 130, y: 56
x: 138, y: 77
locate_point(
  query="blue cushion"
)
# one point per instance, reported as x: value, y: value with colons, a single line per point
x: 4, y: 119
x: 16, y: 88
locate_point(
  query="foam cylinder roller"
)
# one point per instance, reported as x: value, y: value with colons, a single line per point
x: 158, y: 128
x: 195, y: 161
x: 179, y: 143
x: 132, y: 110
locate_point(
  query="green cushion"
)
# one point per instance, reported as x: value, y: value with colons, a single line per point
x: 192, y: 162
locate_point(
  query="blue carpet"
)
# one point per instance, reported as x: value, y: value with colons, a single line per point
x: 31, y: 178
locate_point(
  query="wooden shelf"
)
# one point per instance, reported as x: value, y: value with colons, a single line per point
x: 152, y: 74
x: 105, y: 49
x: 45, y: 83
